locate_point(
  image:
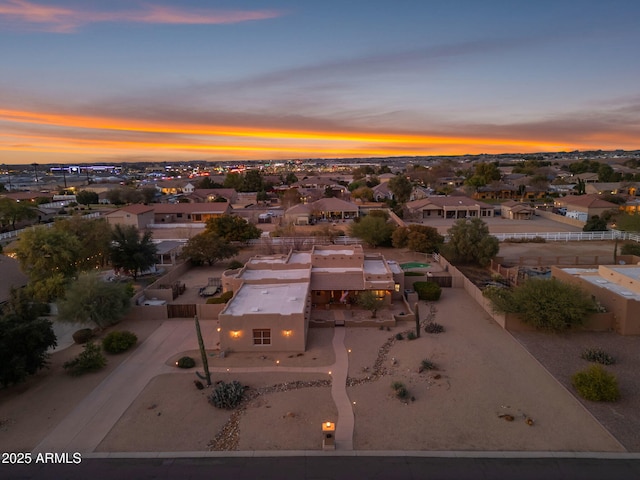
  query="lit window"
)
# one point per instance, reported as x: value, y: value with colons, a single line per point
x: 262, y: 336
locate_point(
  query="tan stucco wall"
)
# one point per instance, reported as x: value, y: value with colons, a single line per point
x: 278, y: 324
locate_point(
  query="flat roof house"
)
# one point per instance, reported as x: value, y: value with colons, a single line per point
x: 274, y: 295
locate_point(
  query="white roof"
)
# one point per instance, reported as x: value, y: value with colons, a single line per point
x: 375, y: 267
x: 333, y: 252
x: 280, y: 299
x: 292, y: 274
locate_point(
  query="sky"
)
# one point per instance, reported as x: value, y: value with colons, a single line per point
x: 235, y: 80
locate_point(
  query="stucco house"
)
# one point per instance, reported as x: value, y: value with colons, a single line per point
x: 590, y: 204
x: 136, y: 215
x: 616, y: 287
x: 331, y: 209
x: 274, y: 295
x: 449, y: 207
x: 516, y: 210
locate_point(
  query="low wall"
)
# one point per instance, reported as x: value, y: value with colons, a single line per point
x: 155, y: 312
x: 597, y: 322
x: 209, y: 311
x: 171, y: 276
x: 574, y: 222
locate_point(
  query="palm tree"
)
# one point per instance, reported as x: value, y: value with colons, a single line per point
x: 131, y: 252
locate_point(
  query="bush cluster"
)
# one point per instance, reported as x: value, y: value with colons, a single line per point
x: 227, y: 395
x: 82, y: 336
x: 428, y: 291
x: 597, y: 355
x: 427, y: 364
x: 90, y: 359
x: 596, y: 384
x: 224, y: 298
x: 117, y: 342
x: 433, y: 327
x: 186, y: 362
x: 411, y: 335
x: 401, y: 391
x: 525, y: 240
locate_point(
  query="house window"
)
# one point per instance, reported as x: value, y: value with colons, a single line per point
x: 179, y: 215
x: 262, y: 336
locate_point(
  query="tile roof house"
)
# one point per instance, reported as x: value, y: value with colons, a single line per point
x: 516, y: 210
x: 136, y: 215
x: 323, y: 209
x: 590, y: 204
x: 449, y: 207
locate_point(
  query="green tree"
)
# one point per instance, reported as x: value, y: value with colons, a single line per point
x: 290, y: 178
x: 483, y: 174
x: 85, y: 197
x: 233, y: 180
x: 418, y: 238
x: 374, y: 230
x: 252, y: 181
x: 628, y: 223
x: 207, y: 183
x: 12, y: 212
x: 208, y: 247
x: 630, y: 249
x: 94, y: 238
x: 471, y: 242
x: 401, y: 188
x: 91, y: 299
x: 130, y: 252
x: 24, y: 340
x: 368, y: 300
x: 233, y: 228
x: 48, y: 252
x: 363, y: 193
x: 549, y: 305
x: 148, y: 194
x: 595, y: 224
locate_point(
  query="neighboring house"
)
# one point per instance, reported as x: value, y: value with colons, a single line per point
x: 202, y: 195
x: 420, y: 192
x: 516, y: 211
x: 496, y: 191
x: 331, y: 209
x: 587, y: 177
x: 612, y: 188
x: 12, y: 277
x: 136, y: 215
x: 585, y: 204
x: 381, y: 192
x: 188, y: 212
x: 449, y: 207
x: 616, y: 287
x: 274, y: 295
x: 385, y: 177
x: 174, y: 187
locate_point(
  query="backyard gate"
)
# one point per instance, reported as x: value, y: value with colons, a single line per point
x: 181, y: 310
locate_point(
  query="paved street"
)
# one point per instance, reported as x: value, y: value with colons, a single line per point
x: 326, y: 465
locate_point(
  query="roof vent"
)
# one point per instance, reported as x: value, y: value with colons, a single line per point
x: 265, y: 292
x: 255, y: 309
x: 293, y: 299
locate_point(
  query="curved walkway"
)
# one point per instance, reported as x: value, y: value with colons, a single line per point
x: 90, y: 422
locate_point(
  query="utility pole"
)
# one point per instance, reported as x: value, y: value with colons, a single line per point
x: 64, y: 175
x: 35, y: 170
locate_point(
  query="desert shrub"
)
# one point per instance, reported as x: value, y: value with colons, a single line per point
x: 597, y: 355
x: 227, y: 395
x: 596, y: 384
x: 233, y: 264
x: 186, y: 362
x: 117, y: 342
x: 411, y: 335
x: 90, y: 359
x: 630, y: 249
x: 428, y: 291
x: 82, y: 336
x: 401, y: 391
x: 399, y: 336
x: 224, y: 298
x: 433, y: 327
x: 427, y: 364
x: 525, y: 240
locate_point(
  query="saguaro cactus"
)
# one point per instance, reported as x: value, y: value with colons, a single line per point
x: 203, y: 353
